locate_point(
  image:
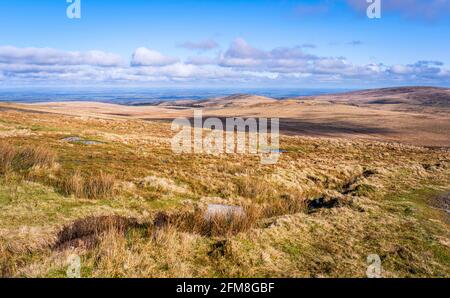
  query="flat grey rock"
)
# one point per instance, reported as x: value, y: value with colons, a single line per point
x: 223, y: 210
x: 81, y: 141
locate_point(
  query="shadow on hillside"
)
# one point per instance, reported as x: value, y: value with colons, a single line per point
x: 292, y: 126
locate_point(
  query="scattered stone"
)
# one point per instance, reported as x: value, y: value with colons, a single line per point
x: 223, y: 210
x: 79, y: 140
x: 441, y: 202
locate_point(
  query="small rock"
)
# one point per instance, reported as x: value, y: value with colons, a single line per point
x: 81, y: 141
x: 223, y: 210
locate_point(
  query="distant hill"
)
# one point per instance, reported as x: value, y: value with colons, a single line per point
x: 410, y: 115
x: 423, y: 96
x: 409, y: 96
x: 237, y: 100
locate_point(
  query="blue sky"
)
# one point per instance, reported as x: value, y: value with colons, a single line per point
x: 225, y: 43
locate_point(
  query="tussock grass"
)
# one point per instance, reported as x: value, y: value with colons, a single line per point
x: 275, y: 237
x: 217, y: 225
x: 14, y: 158
x: 95, y: 186
x: 253, y: 187
x: 7, y: 153
x: 222, y: 225
x: 29, y: 157
x: 73, y: 184
x: 285, y: 204
x: 86, y: 231
x: 7, y: 264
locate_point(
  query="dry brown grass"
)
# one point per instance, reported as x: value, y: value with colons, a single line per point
x: 29, y: 157
x: 95, y: 186
x: 326, y: 115
x: 7, y: 153
x: 230, y: 224
x: 253, y: 187
x: 24, y: 158
x: 7, y: 266
x: 73, y: 184
x: 354, y: 214
x: 85, y: 232
x: 286, y: 204
x: 218, y: 225
x: 131, y: 255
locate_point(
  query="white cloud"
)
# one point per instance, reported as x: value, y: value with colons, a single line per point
x: 282, y: 59
x: 240, y: 49
x: 420, y: 68
x: 242, y: 62
x: 48, y: 56
x: 201, y: 60
x: 243, y: 55
x: 147, y: 57
x: 400, y: 69
x: 172, y: 70
x: 295, y: 63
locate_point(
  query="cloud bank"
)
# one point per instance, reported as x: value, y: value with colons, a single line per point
x: 241, y: 62
x: 147, y: 57
x: 47, y: 56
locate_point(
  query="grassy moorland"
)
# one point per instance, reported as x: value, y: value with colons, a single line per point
x: 130, y: 207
